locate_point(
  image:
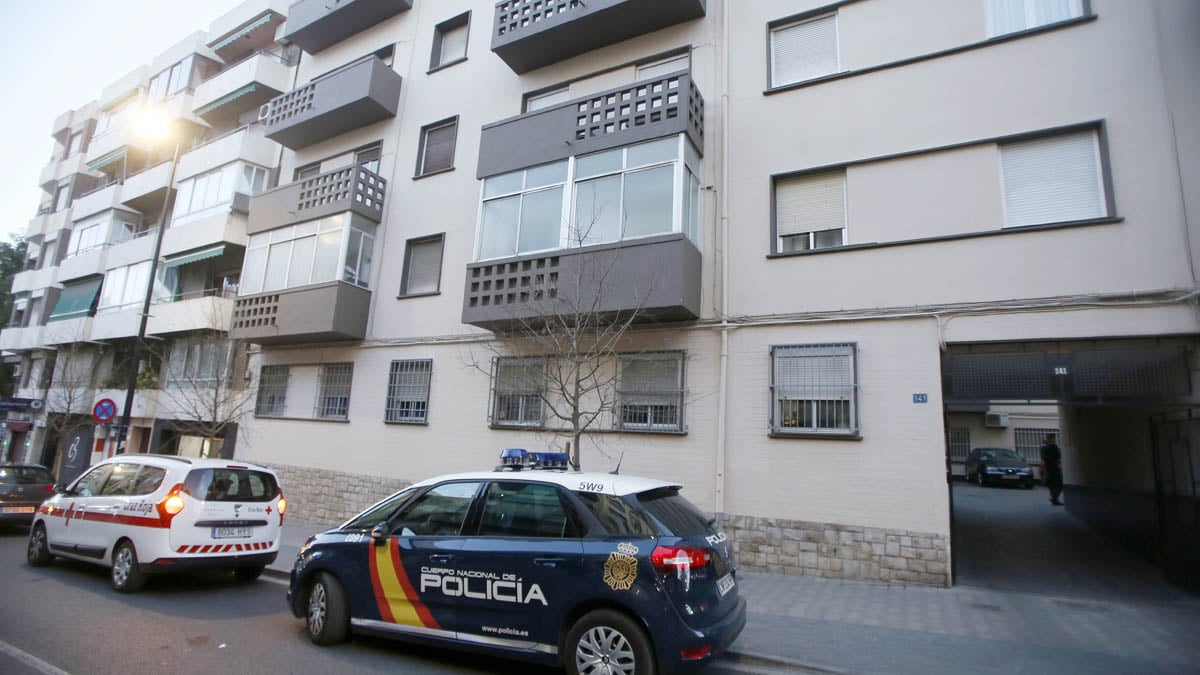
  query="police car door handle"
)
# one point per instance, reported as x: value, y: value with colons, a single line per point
x: 550, y: 562
x: 441, y: 558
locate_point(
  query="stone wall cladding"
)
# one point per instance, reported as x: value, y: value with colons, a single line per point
x: 842, y: 551
x: 324, y: 497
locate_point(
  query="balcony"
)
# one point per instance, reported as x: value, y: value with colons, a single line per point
x: 59, y: 169
x: 45, y: 222
x: 243, y: 86
x: 325, y: 312
x: 222, y: 226
x: 115, y: 323
x: 20, y: 339
x: 350, y: 188
x: 529, y: 34
x: 86, y: 264
x: 204, y: 312
x: 145, y: 190
x: 317, y: 24
x: 363, y: 93
x: 642, y: 111
x: 32, y: 280
x: 658, y: 278
x: 247, y: 144
x: 246, y: 28
x: 98, y: 200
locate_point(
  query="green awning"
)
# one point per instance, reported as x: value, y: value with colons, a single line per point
x: 105, y: 161
x: 239, y: 34
x: 76, y: 300
x: 204, y: 110
x: 196, y: 256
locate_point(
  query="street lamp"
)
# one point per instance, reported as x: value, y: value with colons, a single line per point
x: 153, y: 125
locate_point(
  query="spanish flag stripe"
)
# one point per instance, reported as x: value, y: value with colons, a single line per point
x: 400, y: 608
x: 422, y: 611
x: 385, y: 612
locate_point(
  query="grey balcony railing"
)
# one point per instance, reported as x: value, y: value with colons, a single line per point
x: 529, y: 34
x: 642, y: 111
x: 351, y: 188
x: 362, y: 93
x: 317, y: 24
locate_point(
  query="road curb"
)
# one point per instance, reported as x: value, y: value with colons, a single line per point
x: 752, y: 658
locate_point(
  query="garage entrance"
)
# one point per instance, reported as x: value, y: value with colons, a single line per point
x: 1127, y: 422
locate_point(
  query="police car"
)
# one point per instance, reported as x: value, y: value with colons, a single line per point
x: 146, y: 514
x: 600, y: 573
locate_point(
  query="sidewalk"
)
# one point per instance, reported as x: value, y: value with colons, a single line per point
x: 843, y: 626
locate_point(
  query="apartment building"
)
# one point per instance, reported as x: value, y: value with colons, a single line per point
x: 808, y: 233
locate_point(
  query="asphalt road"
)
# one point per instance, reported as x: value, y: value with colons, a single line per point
x: 67, y: 619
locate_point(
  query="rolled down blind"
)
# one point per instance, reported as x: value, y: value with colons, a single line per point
x: 1052, y: 180
x: 424, y: 267
x: 810, y: 203
x: 804, y: 50
x: 439, y: 148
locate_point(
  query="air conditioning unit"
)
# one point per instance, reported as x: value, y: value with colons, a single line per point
x: 997, y: 420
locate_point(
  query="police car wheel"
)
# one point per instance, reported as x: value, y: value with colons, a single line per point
x: 249, y: 573
x: 127, y: 577
x: 328, y: 620
x: 605, y: 642
x: 38, y: 553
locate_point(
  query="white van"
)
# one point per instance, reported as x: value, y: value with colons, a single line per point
x: 148, y: 514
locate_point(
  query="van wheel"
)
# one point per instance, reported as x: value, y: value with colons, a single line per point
x: 605, y: 641
x: 38, y: 554
x: 127, y: 577
x: 328, y: 618
x: 249, y: 573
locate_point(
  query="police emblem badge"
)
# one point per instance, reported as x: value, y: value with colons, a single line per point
x: 620, y: 570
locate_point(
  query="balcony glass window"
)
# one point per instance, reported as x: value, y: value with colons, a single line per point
x: 62, y: 196
x: 636, y: 191
x: 75, y: 144
x: 212, y: 192
x: 197, y: 361
x: 309, y: 253
x: 172, y: 80
x: 126, y: 285
x: 114, y: 115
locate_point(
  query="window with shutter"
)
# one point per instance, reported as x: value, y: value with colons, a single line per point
x: 650, y: 392
x: 450, y: 41
x: 422, y: 266
x: 437, y: 147
x: 1054, y: 179
x: 814, y: 389
x: 810, y: 211
x: 804, y: 50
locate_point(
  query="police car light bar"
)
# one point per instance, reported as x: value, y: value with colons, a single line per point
x: 517, y: 459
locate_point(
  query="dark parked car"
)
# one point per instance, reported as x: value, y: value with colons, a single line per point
x: 998, y: 465
x: 23, y: 487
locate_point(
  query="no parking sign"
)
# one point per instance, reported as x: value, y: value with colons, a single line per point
x: 104, y: 411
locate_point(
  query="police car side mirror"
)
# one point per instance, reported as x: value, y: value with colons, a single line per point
x: 379, y: 534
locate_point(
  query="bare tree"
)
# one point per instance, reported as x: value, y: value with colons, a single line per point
x: 203, y: 383
x: 70, y: 374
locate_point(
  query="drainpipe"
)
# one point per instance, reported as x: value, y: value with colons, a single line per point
x: 723, y: 226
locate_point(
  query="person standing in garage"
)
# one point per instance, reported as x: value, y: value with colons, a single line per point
x: 1052, y: 468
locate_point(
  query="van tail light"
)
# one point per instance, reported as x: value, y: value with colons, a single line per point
x: 171, y: 505
x: 281, y: 506
x: 679, y: 560
x: 49, y: 489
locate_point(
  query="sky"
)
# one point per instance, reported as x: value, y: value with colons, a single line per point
x: 59, y: 55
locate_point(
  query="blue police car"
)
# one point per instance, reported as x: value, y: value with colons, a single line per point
x: 600, y: 573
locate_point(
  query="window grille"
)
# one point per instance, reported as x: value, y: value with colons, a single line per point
x: 650, y: 392
x: 815, y: 389
x: 1029, y: 443
x: 408, y: 391
x: 333, y: 391
x: 517, y: 390
x: 959, y: 443
x: 272, y: 391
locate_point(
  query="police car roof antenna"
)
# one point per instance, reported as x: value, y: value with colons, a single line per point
x: 617, y: 470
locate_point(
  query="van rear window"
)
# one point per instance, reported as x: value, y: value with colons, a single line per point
x: 231, y: 485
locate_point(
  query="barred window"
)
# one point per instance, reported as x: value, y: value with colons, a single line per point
x: 959, y: 442
x: 272, y: 391
x: 650, y: 392
x: 333, y: 391
x: 814, y: 389
x: 517, y: 388
x: 1028, y: 442
x: 408, y: 391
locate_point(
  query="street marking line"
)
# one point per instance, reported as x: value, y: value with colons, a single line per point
x: 30, y: 660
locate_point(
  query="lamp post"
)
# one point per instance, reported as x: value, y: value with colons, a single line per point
x: 157, y: 128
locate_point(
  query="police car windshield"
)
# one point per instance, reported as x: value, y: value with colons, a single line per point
x: 230, y: 485
x: 679, y: 516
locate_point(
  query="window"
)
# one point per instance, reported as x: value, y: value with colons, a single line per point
x: 1028, y: 443
x: 196, y: 361
x: 91, y: 482
x: 212, y: 192
x: 958, y: 441
x: 618, y: 517
x: 62, y: 196
x: 439, y: 512
x: 1011, y: 16
x: 121, y: 481
x: 272, y: 391
x: 148, y: 480
x: 623, y: 193
x: 437, y: 147
x: 77, y: 299
x: 657, y: 69
x: 814, y: 389
x: 114, y: 115
x: 650, y: 392
x: 127, y: 286
x: 174, y: 79
x: 422, y: 266
x: 368, y: 157
x: 308, y: 171
x: 408, y: 391
x: 333, y: 391
x: 309, y: 253
x: 810, y: 211
x: 1054, y: 179
x: 450, y: 42
x: 524, y: 510
x: 517, y: 388
x: 546, y: 99
x: 74, y: 144
x: 804, y: 50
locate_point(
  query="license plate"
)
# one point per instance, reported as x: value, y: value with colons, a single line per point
x: 231, y: 532
x: 1011, y: 477
x: 725, y: 584
x: 17, y: 509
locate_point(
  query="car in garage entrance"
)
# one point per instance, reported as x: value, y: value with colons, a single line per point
x: 1000, y: 466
